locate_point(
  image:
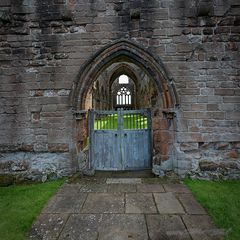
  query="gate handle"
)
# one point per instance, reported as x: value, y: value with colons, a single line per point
x: 115, y: 134
x: 125, y: 134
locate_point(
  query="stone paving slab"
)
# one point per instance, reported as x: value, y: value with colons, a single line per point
x: 104, y: 203
x: 201, y: 227
x: 80, y: 180
x: 150, y: 188
x: 124, y: 180
x: 89, y: 188
x: 140, y: 203
x: 190, y: 204
x: 68, y: 189
x: 198, y: 234
x: 121, y: 188
x: 176, y: 188
x: 65, y: 203
x: 167, y: 203
x: 198, y: 221
x: 48, y: 226
x: 164, y: 227
x: 105, y: 227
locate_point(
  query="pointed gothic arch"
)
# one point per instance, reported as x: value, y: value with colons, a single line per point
x: 119, y: 51
x: 121, y: 69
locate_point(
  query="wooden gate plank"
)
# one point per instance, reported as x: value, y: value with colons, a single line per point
x: 116, y: 148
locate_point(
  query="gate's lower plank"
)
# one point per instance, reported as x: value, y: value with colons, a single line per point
x: 105, y: 151
x: 136, y: 146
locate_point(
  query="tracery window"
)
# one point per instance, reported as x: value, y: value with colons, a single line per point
x: 124, y: 96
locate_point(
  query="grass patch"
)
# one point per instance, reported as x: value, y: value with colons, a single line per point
x: 130, y: 121
x: 20, y: 205
x: 108, y: 122
x: 222, y: 200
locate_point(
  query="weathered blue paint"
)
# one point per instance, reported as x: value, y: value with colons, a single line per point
x: 119, y: 145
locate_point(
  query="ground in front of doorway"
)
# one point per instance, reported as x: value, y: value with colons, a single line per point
x: 121, y: 209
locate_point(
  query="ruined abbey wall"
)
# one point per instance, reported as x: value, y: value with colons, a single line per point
x: 44, y: 44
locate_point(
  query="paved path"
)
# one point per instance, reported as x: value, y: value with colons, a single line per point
x: 123, y: 209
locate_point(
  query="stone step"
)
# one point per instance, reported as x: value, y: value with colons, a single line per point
x: 124, y: 180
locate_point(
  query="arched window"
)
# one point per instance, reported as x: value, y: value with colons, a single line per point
x: 123, y: 79
x: 124, y: 96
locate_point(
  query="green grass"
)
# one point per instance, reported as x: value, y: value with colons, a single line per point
x: 20, y: 205
x: 222, y: 200
x: 129, y: 121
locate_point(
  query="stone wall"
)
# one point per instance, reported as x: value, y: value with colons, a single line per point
x: 44, y: 44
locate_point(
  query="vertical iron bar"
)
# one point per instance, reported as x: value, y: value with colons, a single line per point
x: 97, y: 120
x: 130, y: 121
x: 106, y: 121
x: 109, y: 119
x: 134, y: 121
x: 112, y: 120
x: 139, y: 120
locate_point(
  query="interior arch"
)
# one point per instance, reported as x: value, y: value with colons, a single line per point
x: 120, y: 51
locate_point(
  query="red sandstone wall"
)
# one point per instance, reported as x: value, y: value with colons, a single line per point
x: 43, y: 45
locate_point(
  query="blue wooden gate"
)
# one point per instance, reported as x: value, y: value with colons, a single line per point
x: 120, y: 140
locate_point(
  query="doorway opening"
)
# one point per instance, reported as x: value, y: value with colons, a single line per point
x: 125, y: 77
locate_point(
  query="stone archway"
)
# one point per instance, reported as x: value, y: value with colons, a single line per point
x: 163, y: 115
x: 123, y: 50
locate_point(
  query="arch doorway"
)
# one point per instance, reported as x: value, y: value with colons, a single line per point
x: 123, y: 76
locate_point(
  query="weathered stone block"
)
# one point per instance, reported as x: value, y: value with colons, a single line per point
x: 58, y: 147
x: 208, y: 166
x: 189, y: 137
x: 232, y: 99
x: 162, y: 136
x: 232, y: 154
x: 224, y: 92
x: 57, y: 136
x: 233, y: 115
x: 59, y: 1
x: 183, y: 47
x: 223, y: 145
x: 188, y: 146
x: 188, y: 99
x: 61, y: 56
x: 5, y: 3
x: 237, y: 145
x: 40, y: 147
x: 198, y: 107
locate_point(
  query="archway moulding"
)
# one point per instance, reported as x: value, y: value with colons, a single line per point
x: 122, y: 51
x: 123, y: 68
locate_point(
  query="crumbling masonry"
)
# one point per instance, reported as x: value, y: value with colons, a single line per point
x: 58, y: 58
